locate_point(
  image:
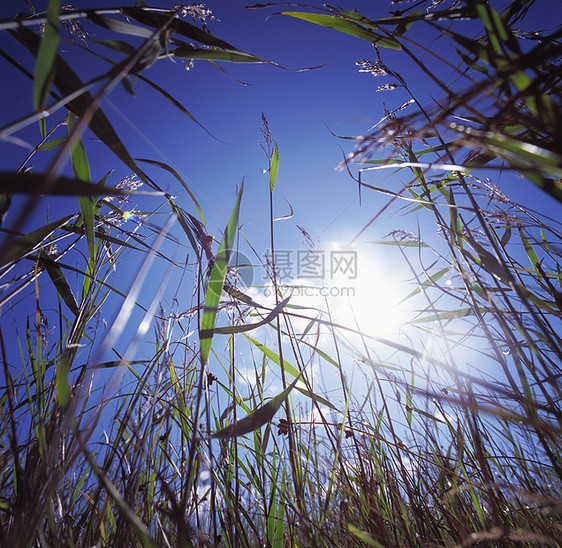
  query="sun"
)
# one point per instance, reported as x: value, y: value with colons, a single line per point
x: 367, y: 299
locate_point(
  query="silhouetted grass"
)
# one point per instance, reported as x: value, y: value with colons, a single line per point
x: 455, y: 439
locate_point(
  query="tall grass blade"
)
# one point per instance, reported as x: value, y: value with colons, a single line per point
x: 81, y: 170
x: 216, y: 281
x: 45, y: 64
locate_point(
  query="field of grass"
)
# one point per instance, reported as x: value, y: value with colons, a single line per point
x: 456, y: 438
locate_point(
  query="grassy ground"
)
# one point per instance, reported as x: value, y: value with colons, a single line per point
x: 166, y: 453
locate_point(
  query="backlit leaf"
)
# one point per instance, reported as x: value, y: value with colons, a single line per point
x: 44, y: 67
x: 274, y: 168
x: 291, y: 370
x: 257, y: 418
x: 348, y: 27
x: 81, y: 170
x: 216, y: 282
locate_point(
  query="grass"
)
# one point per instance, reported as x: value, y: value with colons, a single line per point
x: 166, y: 451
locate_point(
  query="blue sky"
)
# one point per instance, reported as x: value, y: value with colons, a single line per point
x: 301, y: 107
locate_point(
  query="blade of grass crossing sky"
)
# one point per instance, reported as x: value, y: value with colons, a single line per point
x: 257, y: 418
x: 231, y: 329
x: 81, y: 170
x: 156, y: 20
x: 171, y: 170
x: 216, y: 282
x: 189, y: 52
x: 349, y: 27
x: 292, y: 370
x: 44, y: 67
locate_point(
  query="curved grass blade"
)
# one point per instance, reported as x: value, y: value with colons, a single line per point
x: 257, y: 418
x: 364, y: 537
x: 216, y: 282
x: 118, y: 45
x: 232, y: 329
x: 292, y: 370
x: 118, y: 26
x: 175, y: 102
x: 180, y: 216
x: 227, y: 74
x: 171, y: 170
x: 156, y: 20
x: 189, y: 52
x: 53, y: 143
x: 239, y: 295
x: 447, y: 315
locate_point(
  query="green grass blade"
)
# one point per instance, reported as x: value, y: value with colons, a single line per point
x: 363, y: 536
x: 399, y: 243
x: 274, y: 168
x: 216, y: 282
x: 81, y: 170
x: 451, y: 314
x: 292, y: 370
x: 189, y: 52
x: 257, y: 418
x: 45, y: 65
x: 348, y: 27
x: 53, y: 143
x: 64, y: 392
